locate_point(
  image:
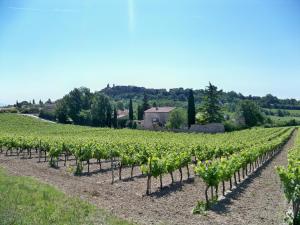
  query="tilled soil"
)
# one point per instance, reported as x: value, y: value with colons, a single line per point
x: 257, y: 200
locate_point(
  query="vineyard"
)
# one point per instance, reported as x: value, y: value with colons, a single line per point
x: 222, y: 161
x: 290, y: 177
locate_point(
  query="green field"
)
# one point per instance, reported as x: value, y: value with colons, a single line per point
x: 24, y: 200
x: 284, y: 119
x: 158, y: 154
x: 293, y: 113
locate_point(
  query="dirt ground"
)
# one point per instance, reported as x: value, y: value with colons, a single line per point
x: 257, y: 200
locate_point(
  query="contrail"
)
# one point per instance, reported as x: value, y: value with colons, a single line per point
x: 131, y: 19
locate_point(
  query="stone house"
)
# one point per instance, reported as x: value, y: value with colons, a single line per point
x: 156, y: 117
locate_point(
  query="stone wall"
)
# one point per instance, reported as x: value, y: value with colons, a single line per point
x: 208, y: 128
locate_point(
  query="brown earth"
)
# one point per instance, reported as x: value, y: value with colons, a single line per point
x: 257, y: 200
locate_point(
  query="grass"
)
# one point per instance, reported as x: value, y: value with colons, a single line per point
x: 24, y: 200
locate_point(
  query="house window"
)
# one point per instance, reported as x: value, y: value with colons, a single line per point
x: 155, y: 120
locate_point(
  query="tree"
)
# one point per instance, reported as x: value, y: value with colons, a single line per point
x: 176, y: 119
x: 85, y: 117
x: 140, y: 112
x: 85, y: 98
x: 49, y: 101
x: 73, y: 100
x: 115, y: 119
x: 99, y: 110
x: 108, y: 115
x: 120, y: 105
x: 191, y: 109
x: 211, y: 106
x: 40, y: 102
x: 33, y: 102
x: 154, y: 104
x: 280, y: 113
x: 61, y: 111
x: 250, y: 112
x: 269, y: 100
x: 145, y: 102
x: 130, y: 110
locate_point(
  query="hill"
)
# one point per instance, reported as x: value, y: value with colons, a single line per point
x: 178, y: 96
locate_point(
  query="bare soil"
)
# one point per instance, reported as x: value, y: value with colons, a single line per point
x: 257, y: 200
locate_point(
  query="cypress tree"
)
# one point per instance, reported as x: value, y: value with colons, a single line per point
x: 140, y: 112
x: 115, y: 119
x: 130, y: 110
x: 108, y: 116
x: 145, y: 102
x: 191, y: 109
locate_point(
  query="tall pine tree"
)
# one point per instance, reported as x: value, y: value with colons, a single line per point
x: 211, y: 108
x: 191, y: 109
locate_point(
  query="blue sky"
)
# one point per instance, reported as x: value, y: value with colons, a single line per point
x: 49, y: 47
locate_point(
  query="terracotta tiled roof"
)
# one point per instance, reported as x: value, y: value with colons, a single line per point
x: 160, y: 110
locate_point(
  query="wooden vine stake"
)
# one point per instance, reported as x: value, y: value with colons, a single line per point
x: 148, y: 192
x: 112, y: 168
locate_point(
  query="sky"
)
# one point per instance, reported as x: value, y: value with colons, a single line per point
x: 49, y: 47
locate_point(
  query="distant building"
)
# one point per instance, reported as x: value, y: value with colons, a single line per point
x: 156, y: 117
x: 123, y: 114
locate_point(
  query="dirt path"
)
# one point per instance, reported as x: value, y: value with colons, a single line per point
x: 258, y: 200
x: 37, y: 117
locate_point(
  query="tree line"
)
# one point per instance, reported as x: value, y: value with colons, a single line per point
x: 176, y: 96
x: 82, y: 107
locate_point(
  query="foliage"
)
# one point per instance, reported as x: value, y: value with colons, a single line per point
x: 8, y: 110
x: 219, y: 156
x: 120, y: 105
x: 130, y: 110
x: 73, y: 101
x: 177, y: 119
x: 140, y: 112
x: 100, y: 110
x: 47, y: 114
x: 115, y: 119
x: 232, y: 126
x: 200, y: 208
x: 250, y: 112
x: 85, y: 117
x: 191, y: 109
x: 211, y: 106
x: 145, y: 102
x: 61, y: 111
x: 222, y: 167
x: 290, y: 178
